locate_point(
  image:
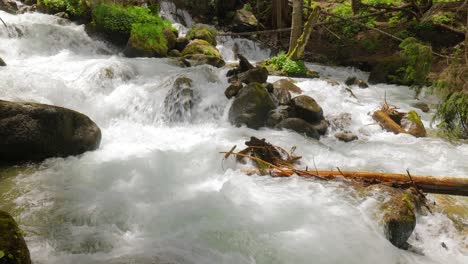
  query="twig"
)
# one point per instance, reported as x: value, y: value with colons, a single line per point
x: 3, y: 22
x: 256, y: 159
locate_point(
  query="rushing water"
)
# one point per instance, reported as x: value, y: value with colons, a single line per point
x: 159, y: 192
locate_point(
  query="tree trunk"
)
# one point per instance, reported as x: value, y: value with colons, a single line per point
x: 355, y: 5
x: 298, y: 51
x: 296, y: 25
x: 428, y: 184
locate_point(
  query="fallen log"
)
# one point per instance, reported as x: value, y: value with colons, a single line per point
x: 428, y: 184
x: 387, y: 123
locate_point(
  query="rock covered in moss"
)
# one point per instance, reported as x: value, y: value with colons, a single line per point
x: 202, y: 52
x: 31, y: 131
x: 300, y: 126
x: 412, y: 124
x: 244, y: 20
x: 203, y: 32
x: 13, y: 249
x: 308, y: 109
x: 2, y: 63
x: 251, y: 106
x: 149, y: 40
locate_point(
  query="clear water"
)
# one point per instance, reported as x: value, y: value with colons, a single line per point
x: 159, y: 192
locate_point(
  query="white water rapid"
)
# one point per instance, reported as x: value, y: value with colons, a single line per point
x: 158, y: 191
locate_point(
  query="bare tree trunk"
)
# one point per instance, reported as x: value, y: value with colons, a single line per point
x: 298, y: 51
x: 296, y: 25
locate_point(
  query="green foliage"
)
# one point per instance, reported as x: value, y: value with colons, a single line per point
x: 419, y: 61
x: 382, y: 2
x: 247, y: 7
x: 204, y: 32
x: 284, y: 64
x: 453, y: 113
x: 149, y: 37
x: 443, y: 18
x: 117, y: 21
x: 73, y: 7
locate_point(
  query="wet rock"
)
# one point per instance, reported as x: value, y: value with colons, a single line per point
x: 346, y: 137
x: 251, y: 106
x: 180, y: 100
x: 321, y: 126
x: 279, y: 114
x: 63, y: 15
x: 181, y: 62
x: 308, y: 109
x: 244, y: 20
x: 340, y: 122
x: 138, y: 47
x: 288, y: 85
x: 300, y: 126
x: 244, y: 64
x: 268, y: 86
x: 2, y: 63
x: 282, y: 96
x: 9, y: 6
x: 233, y: 89
x: 203, y: 52
x: 258, y: 75
x: 355, y: 81
x: 203, y: 32
x: 31, y: 131
x: 332, y: 82
x: 181, y: 43
x: 174, y: 53
x: 413, y: 125
x: 13, y: 249
x: 27, y: 9
x: 422, y: 106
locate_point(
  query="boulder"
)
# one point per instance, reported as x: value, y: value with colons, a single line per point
x: 282, y: 96
x: 244, y: 64
x: 244, y: 20
x: 203, y: 32
x: 174, y: 53
x: 346, y: 137
x: 31, y: 131
x: 181, y: 43
x: 279, y: 114
x: 258, y: 75
x: 288, y: 85
x: 308, y: 109
x: 142, y: 44
x: 233, y: 89
x: 203, y: 53
x: 321, y: 126
x: 180, y: 100
x: 13, y: 249
x: 413, y: 125
x: 300, y: 126
x: 422, y: 106
x: 355, y: 81
x: 2, y: 63
x: 251, y: 106
x: 9, y: 6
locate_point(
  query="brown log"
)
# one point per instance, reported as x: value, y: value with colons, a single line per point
x: 387, y: 123
x: 428, y: 184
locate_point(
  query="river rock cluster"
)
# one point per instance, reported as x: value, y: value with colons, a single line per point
x: 257, y: 103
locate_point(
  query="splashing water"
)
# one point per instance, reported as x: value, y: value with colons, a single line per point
x: 158, y: 192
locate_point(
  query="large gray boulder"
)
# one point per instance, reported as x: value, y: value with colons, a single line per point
x: 257, y: 75
x: 13, y: 249
x: 251, y: 106
x: 31, y: 132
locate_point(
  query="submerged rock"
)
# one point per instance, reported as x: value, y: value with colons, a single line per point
x: 180, y: 100
x: 251, y: 106
x: 321, y: 126
x: 288, y: 85
x: 31, y: 131
x: 308, y: 109
x: 300, y: 126
x: 2, y: 63
x: 13, y: 249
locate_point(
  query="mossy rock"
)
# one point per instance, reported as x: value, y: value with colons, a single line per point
x: 251, y: 106
x: 202, y: 52
x: 33, y: 132
x: 13, y: 249
x: 147, y: 40
x: 2, y: 63
x: 171, y: 38
x: 203, y: 32
x: 9, y: 6
x: 412, y: 124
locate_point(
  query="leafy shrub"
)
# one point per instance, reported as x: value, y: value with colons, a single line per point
x: 284, y: 64
x: 73, y: 7
x: 419, y: 61
x: 443, y: 18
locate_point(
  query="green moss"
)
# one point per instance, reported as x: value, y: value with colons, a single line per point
x: 199, y: 46
x: 75, y: 8
x: 116, y: 21
x: 203, y: 32
x: 12, y: 244
x: 149, y: 38
x: 414, y: 117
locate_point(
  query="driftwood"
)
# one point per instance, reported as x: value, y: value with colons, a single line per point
x: 276, y: 162
x: 387, y: 123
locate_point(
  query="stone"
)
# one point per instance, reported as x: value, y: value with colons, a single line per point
x: 251, y: 106
x: 244, y: 20
x: 201, y: 59
x: 258, y: 75
x: 9, y: 6
x: 13, y: 248
x: 244, y: 64
x: 279, y: 114
x: 412, y: 124
x: 282, y: 96
x: 2, y: 63
x: 181, y: 43
x: 233, y: 89
x: 321, y: 127
x: 203, y: 32
x: 300, y: 126
x: 340, y: 122
x: 307, y: 108
x: 422, y: 106
x: 33, y: 132
x: 346, y: 137
x: 203, y: 52
x: 355, y: 81
x: 288, y: 85
x: 174, y: 53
